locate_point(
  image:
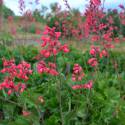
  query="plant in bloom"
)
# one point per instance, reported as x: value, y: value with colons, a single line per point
x: 51, y: 46
x: 93, y: 62
x: 103, y: 53
x: 42, y: 67
x: 87, y: 85
x: 12, y: 71
x: 94, y: 50
x: 95, y: 38
x: 78, y: 73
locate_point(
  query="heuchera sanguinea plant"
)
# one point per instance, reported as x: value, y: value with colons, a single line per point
x: 50, y: 46
x: 100, y: 33
x: 87, y: 85
x: 51, y: 69
x: 12, y: 71
x: 78, y: 73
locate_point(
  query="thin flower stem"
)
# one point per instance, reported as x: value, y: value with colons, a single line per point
x: 60, y: 98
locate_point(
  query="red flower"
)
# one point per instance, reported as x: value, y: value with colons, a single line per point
x: 77, y: 73
x: 45, y: 53
x: 95, y: 38
x: 94, y: 50
x: 65, y: 48
x: 103, y: 53
x: 41, y: 67
x: 50, y: 69
x: 55, y: 51
x: 50, y: 43
x: 58, y: 34
x: 75, y: 87
x: 20, y: 71
x: 93, y: 62
x: 88, y: 85
x: 9, y: 92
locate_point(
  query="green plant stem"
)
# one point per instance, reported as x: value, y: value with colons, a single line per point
x: 60, y: 98
x: 88, y: 101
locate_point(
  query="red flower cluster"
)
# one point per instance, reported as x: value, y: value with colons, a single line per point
x: 11, y: 87
x: 20, y: 71
x: 95, y: 38
x: 51, y: 69
x: 93, y: 62
x: 88, y: 85
x: 50, y: 43
x: 51, y: 46
x: 94, y: 50
x: 78, y: 73
x: 103, y: 53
